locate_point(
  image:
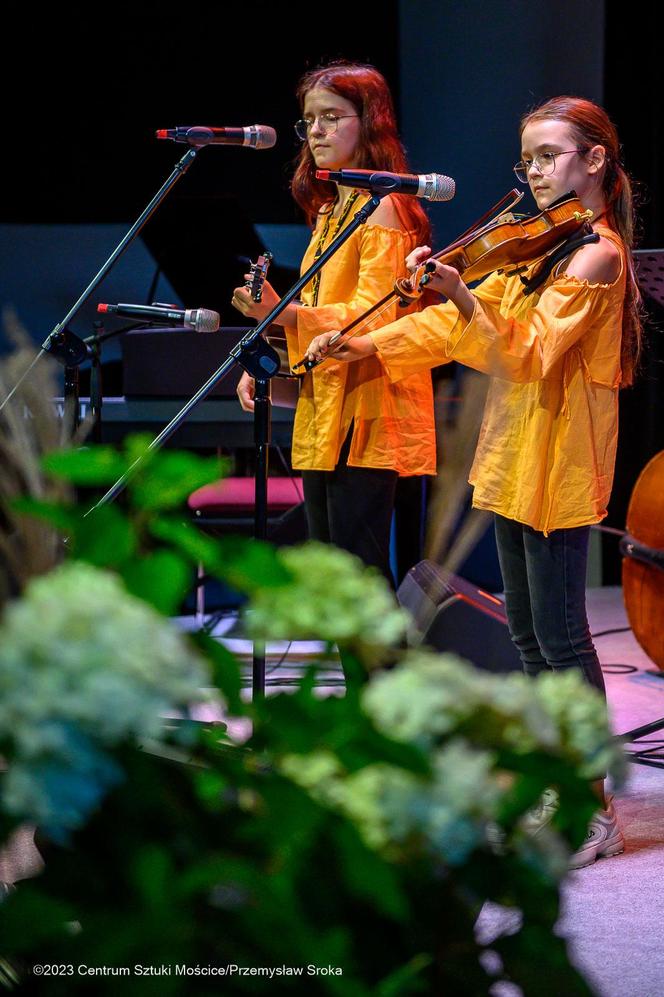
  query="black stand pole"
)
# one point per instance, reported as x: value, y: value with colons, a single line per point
x: 94, y: 345
x: 262, y: 439
x: 261, y: 361
x: 56, y: 338
x: 71, y: 415
x: 96, y: 388
x: 648, y: 756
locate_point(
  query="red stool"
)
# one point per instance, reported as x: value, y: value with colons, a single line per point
x: 233, y: 499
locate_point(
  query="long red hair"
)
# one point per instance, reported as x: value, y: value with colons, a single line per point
x: 590, y: 125
x: 379, y: 145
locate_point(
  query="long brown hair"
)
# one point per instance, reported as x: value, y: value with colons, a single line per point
x: 590, y: 125
x: 379, y: 145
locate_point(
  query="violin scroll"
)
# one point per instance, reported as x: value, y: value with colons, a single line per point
x: 411, y: 288
x: 257, y: 276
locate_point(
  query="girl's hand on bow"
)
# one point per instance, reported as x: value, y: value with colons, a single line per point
x: 351, y: 349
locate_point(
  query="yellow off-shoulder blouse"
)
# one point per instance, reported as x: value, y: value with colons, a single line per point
x: 393, y: 423
x: 547, y: 445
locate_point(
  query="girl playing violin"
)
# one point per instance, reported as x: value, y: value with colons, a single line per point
x: 545, y: 457
x: 356, y: 431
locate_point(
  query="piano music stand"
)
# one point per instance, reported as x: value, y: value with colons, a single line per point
x: 650, y: 273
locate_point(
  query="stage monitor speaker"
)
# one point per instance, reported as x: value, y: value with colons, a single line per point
x: 452, y: 615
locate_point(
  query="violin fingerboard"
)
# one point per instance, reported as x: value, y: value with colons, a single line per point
x: 257, y: 275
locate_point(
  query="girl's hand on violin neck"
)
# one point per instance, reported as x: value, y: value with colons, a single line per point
x: 258, y: 310
x: 351, y: 349
x: 447, y: 281
x: 418, y: 255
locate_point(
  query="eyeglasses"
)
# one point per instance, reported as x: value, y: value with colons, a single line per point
x: 327, y: 122
x: 545, y: 164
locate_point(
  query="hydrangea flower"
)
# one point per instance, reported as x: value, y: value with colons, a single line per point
x: 333, y: 598
x: 84, y: 665
x: 461, y: 717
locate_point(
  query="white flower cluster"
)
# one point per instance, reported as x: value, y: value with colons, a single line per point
x: 393, y: 808
x: 432, y: 695
x: 332, y: 597
x: 83, y: 664
x: 461, y: 718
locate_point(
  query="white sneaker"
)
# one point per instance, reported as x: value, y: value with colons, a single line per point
x: 534, y: 820
x: 604, y: 838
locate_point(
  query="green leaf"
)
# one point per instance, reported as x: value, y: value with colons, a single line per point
x: 162, y: 579
x: 406, y: 979
x: 165, y: 480
x: 94, y: 465
x: 250, y: 565
x: 188, y: 539
x: 29, y: 917
x: 368, y: 876
x: 371, y: 747
x: 105, y: 538
x: 63, y: 517
x: 152, y: 875
x: 210, y: 787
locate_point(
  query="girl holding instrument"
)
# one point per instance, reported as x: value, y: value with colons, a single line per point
x: 557, y: 357
x: 355, y: 430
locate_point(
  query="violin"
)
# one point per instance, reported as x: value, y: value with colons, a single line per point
x: 284, y: 388
x: 486, y: 247
x: 507, y: 241
x: 643, y: 564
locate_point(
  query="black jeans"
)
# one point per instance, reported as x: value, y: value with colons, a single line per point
x: 545, y: 598
x: 352, y: 508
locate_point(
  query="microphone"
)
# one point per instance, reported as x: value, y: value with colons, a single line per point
x: 255, y: 136
x: 199, y: 319
x: 430, y: 186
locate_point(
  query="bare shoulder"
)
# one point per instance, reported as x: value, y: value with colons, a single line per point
x: 387, y: 215
x: 598, y: 263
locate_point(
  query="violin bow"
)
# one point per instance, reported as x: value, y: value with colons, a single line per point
x: 505, y: 204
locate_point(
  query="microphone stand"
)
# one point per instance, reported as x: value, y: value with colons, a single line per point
x: 261, y: 361
x: 94, y: 344
x: 57, y: 338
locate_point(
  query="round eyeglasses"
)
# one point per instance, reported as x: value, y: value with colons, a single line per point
x: 327, y: 122
x: 544, y: 163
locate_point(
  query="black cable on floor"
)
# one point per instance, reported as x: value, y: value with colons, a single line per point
x: 281, y: 660
x: 615, y: 630
x: 216, y: 618
x: 619, y: 669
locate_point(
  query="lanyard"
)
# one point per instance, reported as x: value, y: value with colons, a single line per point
x: 323, y: 236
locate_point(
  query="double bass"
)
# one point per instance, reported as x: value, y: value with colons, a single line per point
x: 643, y: 564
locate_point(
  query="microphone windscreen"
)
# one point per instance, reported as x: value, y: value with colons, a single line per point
x: 443, y: 188
x: 205, y: 320
x: 262, y: 137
